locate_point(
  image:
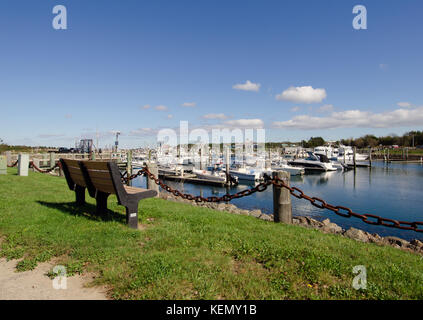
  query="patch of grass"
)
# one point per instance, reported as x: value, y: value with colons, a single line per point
x: 188, y: 252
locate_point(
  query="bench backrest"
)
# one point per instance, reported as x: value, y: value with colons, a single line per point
x: 73, y: 173
x: 104, y: 177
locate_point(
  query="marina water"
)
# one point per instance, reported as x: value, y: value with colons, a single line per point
x: 393, y: 191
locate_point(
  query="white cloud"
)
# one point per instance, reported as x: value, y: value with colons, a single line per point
x: 189, y: 104
x: 326, y: 108
x: 356, y: 119
x: 245, y: 123
x: 147, y: 106
x: 220, y: 116
x: 161, y: 108
x: 305, y: 94
x: 247, y: 86
x: 404, y: 104
x: 295, y: 109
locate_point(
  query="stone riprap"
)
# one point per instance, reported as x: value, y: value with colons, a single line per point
x: 325, y: 226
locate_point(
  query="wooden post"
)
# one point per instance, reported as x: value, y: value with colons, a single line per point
x: 151, y: 184
x: 370, y: 156
x: 23, y: 164
x: 129, y: 166
x: 282, y: 207
x: 354, y: 158
x: 387, y: 159
x: 201, y: 158
x: 227, y: 160
x: 3, y: 165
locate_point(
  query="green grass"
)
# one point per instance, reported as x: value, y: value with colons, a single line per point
x: 186, y: 252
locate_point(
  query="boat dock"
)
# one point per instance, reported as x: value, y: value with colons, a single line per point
x: 191, y: 178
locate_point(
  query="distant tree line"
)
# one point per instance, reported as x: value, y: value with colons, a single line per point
x: 409, y: 139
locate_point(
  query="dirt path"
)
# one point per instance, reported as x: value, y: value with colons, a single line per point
x: 35, y: 285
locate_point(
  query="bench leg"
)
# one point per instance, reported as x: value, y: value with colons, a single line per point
x: 102, y: 202
x: 132, y: 215
x: 80, y: 195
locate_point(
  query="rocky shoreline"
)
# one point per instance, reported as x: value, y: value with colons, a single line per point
x: 326, y: 226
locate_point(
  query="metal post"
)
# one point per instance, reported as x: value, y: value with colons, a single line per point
x: 23, y: 164
x: 151, y: 184
x: 282, y: 207
x: 129, y: 165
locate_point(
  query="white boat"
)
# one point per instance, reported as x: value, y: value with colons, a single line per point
x: 314, y: 162
x: 210, y: 175
x: 284, y: 166
x: 346, y: 154
x: 328, y: 151
x: 247, y: 174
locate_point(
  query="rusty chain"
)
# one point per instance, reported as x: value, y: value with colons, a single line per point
x: 14, y: 164
x: 32, y: 165
x: 294, y: 191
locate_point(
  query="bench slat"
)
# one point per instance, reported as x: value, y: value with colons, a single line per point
x: 75, y: 172
x: 96, y: 165
x: 133, y: 190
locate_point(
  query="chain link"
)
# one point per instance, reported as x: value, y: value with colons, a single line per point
x: 294, y: 191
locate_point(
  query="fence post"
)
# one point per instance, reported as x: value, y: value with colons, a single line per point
x: 282, y: 207
x: 36, y: 162
x: 52, y: 159
x: 23, y: 164
x: 9, y: 158
x: 151, y: 184
x: 3, y: 165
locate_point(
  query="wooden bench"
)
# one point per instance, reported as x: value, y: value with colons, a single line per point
x: 102, y: 179
x: 75, y: 179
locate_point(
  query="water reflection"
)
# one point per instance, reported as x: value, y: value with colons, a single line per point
x: 389, y: 190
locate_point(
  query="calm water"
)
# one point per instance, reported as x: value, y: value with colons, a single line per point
x: 393, y: 191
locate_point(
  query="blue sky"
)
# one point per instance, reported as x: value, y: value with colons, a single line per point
x: 118, y: 57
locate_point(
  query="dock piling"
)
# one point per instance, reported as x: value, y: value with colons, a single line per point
x: 282, y: 206
x: 151, y: 184
x: 354, y: 158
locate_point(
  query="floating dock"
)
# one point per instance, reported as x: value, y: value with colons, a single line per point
x: 191, y: 178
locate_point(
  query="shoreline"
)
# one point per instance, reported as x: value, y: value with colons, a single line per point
x: 325, y: 226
